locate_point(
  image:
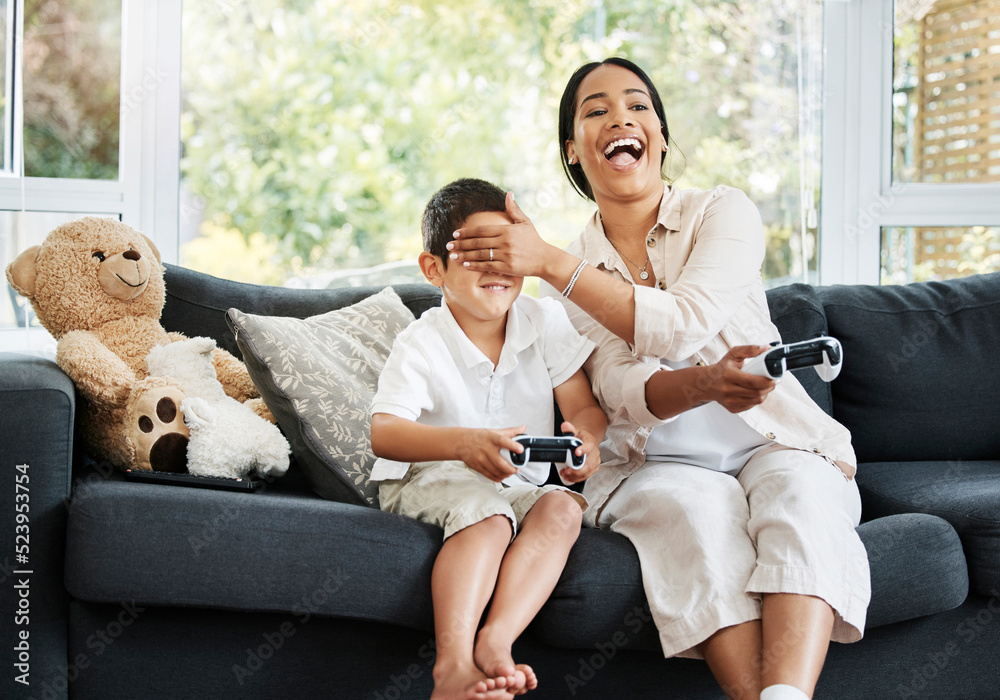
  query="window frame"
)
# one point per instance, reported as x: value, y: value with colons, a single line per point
x: 858, y: 196
x: 146, y: 193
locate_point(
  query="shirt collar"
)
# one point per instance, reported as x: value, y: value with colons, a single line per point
x: 520, y: 335
x: 598, y: 249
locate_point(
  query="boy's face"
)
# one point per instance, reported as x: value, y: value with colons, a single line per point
x: 473, y: 296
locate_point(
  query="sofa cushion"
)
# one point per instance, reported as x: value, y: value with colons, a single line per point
x: 318, y: 376
x: 919, y: 380
x: 798, y: 313
x: 273, y: 550
x: 966, y: 494
x: 281, y: 550
x: 197, y: 303
x: 917, y: 567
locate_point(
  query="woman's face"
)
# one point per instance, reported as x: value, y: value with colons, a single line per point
x: 617, y: 137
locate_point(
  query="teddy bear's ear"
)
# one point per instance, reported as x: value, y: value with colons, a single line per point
x: 21, y: 272
x: 152, y: 247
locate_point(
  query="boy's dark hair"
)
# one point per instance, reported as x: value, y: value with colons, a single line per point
x: 451, y: 206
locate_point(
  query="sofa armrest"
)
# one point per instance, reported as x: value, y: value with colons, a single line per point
x: 37, y: 406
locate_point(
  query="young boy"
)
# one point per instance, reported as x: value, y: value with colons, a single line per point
x: 460, y: 383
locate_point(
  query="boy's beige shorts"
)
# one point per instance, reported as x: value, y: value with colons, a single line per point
x: 452, y: 496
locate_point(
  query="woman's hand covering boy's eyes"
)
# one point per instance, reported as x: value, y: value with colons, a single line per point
x: 517, y: 249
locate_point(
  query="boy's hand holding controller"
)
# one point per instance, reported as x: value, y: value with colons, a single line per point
x: 480, y: 449
x: 483, y: 451
x: 589, y: 450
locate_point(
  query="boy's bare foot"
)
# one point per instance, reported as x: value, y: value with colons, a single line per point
x: 530, y: 679
x: 468, y: 683
x: 495, y: 660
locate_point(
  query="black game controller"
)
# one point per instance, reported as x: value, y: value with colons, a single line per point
x: 561, y: 450
x: 823, y: 353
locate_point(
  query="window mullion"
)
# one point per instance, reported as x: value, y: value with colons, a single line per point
x: 150, y: 119
x: 12, y: 68
x: 15, y: 92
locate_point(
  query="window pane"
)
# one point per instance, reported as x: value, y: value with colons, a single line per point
x: 72, y: 68
x: 6, y: 49
x: 921, y: 254
x: 314, y: 132
x: 946, y: 91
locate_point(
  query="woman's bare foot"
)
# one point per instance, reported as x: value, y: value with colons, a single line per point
x: 468, y: 683
x: 495, y: 660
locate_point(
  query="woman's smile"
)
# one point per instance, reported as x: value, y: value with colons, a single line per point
x: 624, y: 152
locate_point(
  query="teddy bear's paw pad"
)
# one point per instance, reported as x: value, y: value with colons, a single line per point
x: 169, y: 454
x: 161, y: 438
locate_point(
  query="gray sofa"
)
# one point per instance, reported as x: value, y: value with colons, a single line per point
x: 149, y: 591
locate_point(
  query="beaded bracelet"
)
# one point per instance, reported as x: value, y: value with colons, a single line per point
x: 572, y: 280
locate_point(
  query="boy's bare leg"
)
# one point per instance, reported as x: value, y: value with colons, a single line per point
x: 464, y: 575
x: 528, y: 574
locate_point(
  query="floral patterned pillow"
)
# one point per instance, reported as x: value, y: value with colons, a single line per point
x: 318, y: 376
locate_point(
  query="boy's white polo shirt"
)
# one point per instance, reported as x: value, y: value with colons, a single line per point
x: 436, y: 376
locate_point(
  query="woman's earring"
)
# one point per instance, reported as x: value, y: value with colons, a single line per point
x: 571, y: 160
x: 666, y: 148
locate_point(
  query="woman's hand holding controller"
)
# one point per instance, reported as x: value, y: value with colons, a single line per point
x: 734, y: 389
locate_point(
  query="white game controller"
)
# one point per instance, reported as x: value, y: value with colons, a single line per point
x: 823, y: 353
x: 561, y: 450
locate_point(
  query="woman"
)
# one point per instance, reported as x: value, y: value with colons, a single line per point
x: 752, y: 480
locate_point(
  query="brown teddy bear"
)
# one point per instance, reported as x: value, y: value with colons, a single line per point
x: 96, y: 285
